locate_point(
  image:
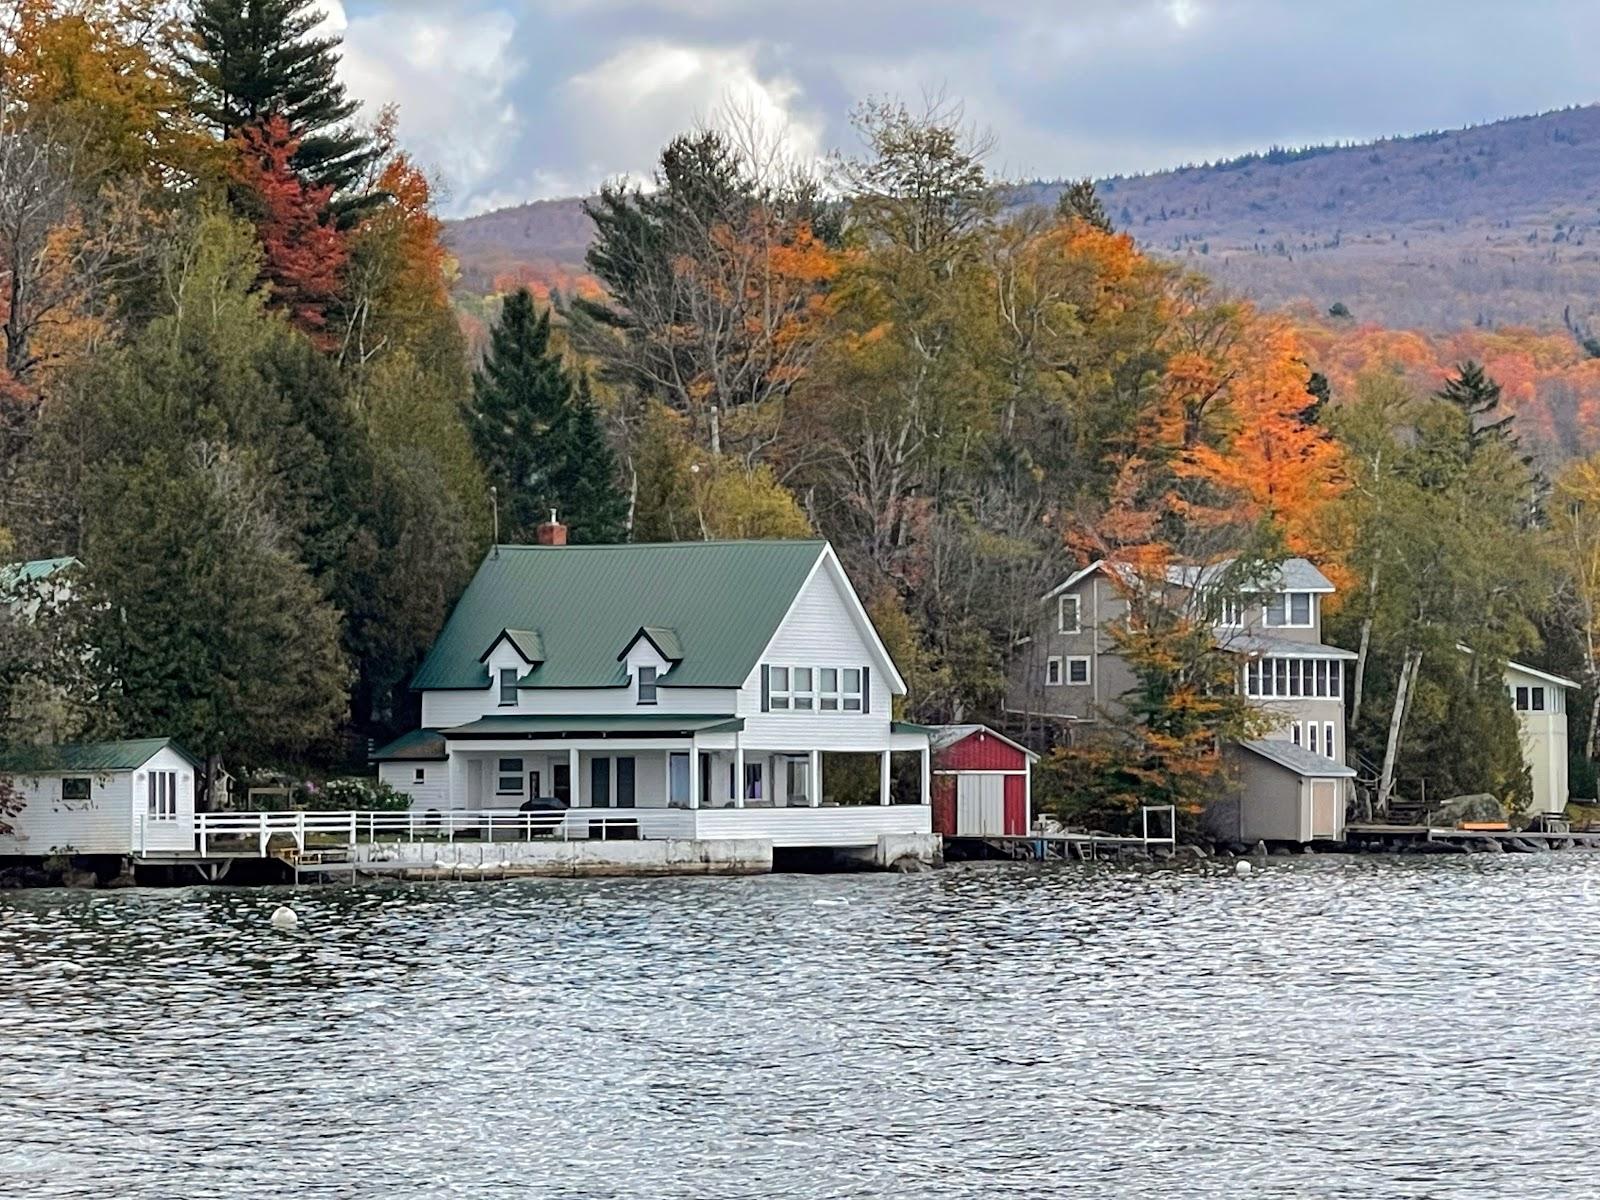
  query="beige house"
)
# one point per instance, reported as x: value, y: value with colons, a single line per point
x: 1540, y: 702
x: 1294, y: 785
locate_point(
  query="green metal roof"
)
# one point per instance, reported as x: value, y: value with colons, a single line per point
x: 722, y: 600
x: 597, y: 725
x: 14, y: 574
x: 86, y: 756
x: 663, y: 639
x: 420, y: 745
x: 525, y: 642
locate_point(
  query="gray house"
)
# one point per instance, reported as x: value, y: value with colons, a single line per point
x: 1293, y: 784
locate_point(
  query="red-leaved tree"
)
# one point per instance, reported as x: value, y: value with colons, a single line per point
x: 303, y: 252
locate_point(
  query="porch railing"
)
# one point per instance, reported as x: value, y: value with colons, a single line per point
x: 223, y: 832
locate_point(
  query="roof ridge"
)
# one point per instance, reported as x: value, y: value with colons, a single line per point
x: 818, y: 541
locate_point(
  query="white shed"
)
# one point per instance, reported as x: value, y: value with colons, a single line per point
x: 1540, y: 701
x: 100, y: 797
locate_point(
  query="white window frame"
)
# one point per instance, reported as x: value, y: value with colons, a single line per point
x: 1054, y: 671
x: 508, y: 683
x: 1288, y: 622
x: 1076, y: 602
x: 419, y: 775
x: 1074, y: 660
x: 1230, y: 613
x: 846, y: 693
x: 1328, y: 748
x: 503, y: 773
x: 647, y: 685
x: 161, y: 795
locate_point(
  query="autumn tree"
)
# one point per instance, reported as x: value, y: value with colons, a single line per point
x: 716, y: 281
x: 303, y: 254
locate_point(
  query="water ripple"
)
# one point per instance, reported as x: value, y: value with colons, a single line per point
x: 1326, y: 1028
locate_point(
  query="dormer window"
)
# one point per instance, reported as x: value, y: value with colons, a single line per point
x: 647, y: 685
x: 1288, y: 610
x: 508, y: 686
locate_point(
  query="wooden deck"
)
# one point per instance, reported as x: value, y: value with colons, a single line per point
x: 1431, y: 833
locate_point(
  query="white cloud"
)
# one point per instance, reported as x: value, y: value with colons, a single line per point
x: 451, y: 75
x: 625, y: 109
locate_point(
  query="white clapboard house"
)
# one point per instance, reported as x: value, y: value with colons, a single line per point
x: 693, y: 687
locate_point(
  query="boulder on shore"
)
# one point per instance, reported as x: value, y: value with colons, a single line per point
x: 1480, y: 806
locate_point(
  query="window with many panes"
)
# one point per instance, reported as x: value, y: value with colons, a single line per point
x: 508, y: 777
x: 815, y: 689
x: 1230, y: 612
x: 1288, y: 610
x: 1286, y: 678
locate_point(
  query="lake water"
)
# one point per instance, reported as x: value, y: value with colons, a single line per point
x: 1340, y: 1027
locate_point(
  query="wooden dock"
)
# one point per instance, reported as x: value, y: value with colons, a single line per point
x: 1068, y: 845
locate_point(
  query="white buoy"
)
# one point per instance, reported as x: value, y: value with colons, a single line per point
x: 1242, y: 868
x: 284, y: 917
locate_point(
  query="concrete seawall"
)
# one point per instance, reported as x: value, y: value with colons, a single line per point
x: 495, y: 860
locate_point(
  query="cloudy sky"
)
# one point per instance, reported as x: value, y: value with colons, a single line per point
x: 513, y: 100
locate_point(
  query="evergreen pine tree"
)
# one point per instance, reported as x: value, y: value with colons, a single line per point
x: 254, y: 59
x: 519, y: 395
x: 583, y: 488
x: 1473, y: 391
x: 1079, y: 201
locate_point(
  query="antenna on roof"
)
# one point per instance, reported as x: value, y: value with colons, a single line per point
x: 494, y: 504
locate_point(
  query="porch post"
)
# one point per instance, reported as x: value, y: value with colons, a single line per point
x: 457, y: 773
x: 574, y: 784
x: 814, y: 793
x: 883, y: 777
x: 694, y: 774
x: 926, y: 755
x: 738, y: 771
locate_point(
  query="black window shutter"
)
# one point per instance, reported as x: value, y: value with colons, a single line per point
x: 766, y: 688
x: 866, y: 689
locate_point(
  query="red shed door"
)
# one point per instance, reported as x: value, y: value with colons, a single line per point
x: 1016, y: 805
x: 944, y: 805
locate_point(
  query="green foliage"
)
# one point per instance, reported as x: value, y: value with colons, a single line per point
x: 520, y: 394
x: 583, y: 486
x: 1472, y: 391
x: 1080, y: 203
x: 252, y: 59
x: 205, y: 625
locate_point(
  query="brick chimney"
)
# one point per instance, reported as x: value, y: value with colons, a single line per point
x: 552, y: 532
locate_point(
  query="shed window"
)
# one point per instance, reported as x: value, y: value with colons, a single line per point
x: 161, y: 792
x: 1522, y: 699
x: 647, y: 685
x: 508, y: 685
x: 1536, y: 695
x: 77, y: 787
x: 508, y: 777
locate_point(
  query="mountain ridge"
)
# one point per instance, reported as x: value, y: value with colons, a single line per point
x: 1488, y: 225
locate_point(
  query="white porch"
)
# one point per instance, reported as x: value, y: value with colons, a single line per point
x: 707, y: 785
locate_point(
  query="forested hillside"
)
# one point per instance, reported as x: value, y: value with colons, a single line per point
x: 1489, y: 226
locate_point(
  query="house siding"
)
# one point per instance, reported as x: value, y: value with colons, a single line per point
x: 1100, y: 605
x: 819, y: 630
x: 108, y: 823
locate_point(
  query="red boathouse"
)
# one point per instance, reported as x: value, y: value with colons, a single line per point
x: 982, y: 782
